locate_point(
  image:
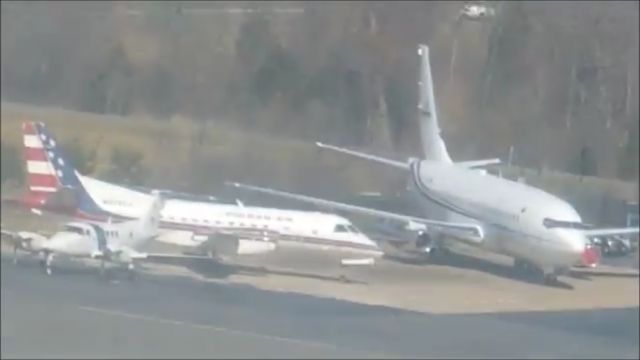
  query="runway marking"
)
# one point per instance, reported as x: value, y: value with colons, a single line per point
x: 211, y: 328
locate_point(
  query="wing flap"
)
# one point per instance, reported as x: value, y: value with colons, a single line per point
x: 478, y: 163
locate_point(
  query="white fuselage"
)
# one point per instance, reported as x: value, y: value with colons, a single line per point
x: 87, y: 239
x: 511, y: 214
x: 180, y: 220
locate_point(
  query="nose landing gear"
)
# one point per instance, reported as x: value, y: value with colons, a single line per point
x: 526, y: 268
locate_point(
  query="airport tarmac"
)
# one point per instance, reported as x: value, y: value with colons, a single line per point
x: 432, y: 288
x: 73, y: 314
x: 293, y: 303
x: 466, y: 282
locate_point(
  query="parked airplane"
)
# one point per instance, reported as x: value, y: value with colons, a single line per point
x: 107, y: 241
x: 543, y: 233
x: 55, y: 186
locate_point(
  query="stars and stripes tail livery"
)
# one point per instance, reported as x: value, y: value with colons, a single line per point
x: 43, y: 181
x: 42, y: 178
x: 52, y: 181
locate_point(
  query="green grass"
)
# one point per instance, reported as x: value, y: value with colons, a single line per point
x: 227, y: 153
x: 232, y: 154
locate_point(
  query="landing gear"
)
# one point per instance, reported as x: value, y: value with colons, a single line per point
x: 550, y: 279
x: 15, y: 254
x: 47, y: 263
x: 430, y: 247
x: 527, y: 268
x: 131, y: 271
x: 102, y: 267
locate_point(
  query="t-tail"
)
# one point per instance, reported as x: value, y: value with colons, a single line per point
x: 433, y: 146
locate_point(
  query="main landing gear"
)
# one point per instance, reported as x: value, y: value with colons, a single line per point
x: 526, y: 268
x: 131, y: 271
x: 46, y: 261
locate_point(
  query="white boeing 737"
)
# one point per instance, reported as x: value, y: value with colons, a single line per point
x: 543, y: 233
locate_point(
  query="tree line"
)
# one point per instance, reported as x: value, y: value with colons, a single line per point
x: 556, y: 80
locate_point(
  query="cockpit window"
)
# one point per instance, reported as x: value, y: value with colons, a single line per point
x: 551, y: 223
x: 74, y: 229
x: 353, y: 229
x: 340, y: 228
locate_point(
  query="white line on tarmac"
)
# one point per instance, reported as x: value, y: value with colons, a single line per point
x: 208, y: 327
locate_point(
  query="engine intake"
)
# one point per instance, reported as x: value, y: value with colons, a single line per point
x: 424, y: 241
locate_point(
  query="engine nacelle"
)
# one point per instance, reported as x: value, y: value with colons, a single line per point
x: 424, y: 242
x: 31, y: 241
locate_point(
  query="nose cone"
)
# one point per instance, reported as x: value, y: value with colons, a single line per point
x: 56, y: 242
x: 61, y: 242
x: 577, y: 245
x: 368, y: 242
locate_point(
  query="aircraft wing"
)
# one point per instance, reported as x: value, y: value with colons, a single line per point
x: 610, y: 231
x: 403, y: 164
x: 23, y: 239
x: 469, y: 231
x: 478, y: 163
x: 398, y: 164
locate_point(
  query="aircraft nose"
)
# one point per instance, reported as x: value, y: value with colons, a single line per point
x: 575, y: 243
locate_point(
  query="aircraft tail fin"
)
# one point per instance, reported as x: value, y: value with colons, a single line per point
x: 150, y: 221
x: 433, y: 146
x: 42, y: 177
x: 48, y: 169
x: 50, y: 175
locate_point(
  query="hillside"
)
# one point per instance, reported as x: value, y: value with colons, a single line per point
x: 556, y: 80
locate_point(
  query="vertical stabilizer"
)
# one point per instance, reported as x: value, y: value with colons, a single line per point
x: 433, y: 146
x: 42, y: 177
x: 150, y: 221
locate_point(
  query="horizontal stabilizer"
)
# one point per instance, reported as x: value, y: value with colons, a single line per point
x: 478, y: 163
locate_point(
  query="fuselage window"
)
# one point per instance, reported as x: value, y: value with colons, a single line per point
x: 551, y: 223
x: 353, y: 229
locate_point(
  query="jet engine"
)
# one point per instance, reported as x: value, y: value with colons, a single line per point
x: 425, y: 242
x: 429, y: 245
